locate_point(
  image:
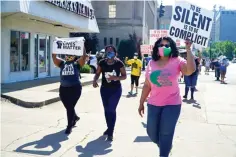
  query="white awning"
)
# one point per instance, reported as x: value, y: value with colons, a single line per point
x: 67, y: 15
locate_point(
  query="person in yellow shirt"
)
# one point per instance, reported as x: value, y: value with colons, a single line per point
x: 136, y: 68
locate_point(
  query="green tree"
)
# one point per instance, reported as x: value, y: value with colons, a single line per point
x: 125, y: 49
x: 91, y: 41
x: 228, y: 49
x: 137, y: 42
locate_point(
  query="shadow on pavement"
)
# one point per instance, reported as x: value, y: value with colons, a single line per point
x: 52, y: 140
x: 193, y: 102
x: 96, y: 147
x: 143, y: 138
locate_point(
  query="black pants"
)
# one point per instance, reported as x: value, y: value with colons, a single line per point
x: 69, y: 97
x: 135, y: 79
x: 217, y: 73
x: 110, y: 99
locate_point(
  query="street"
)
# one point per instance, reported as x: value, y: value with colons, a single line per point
x: 206, y: 128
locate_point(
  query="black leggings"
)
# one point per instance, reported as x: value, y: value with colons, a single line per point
x: 135, y: 79
x: 69, y: 97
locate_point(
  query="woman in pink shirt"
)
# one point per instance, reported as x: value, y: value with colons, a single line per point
x: 164, y: 103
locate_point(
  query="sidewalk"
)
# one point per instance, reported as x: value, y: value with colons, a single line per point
x: 40, y: 92
x: 37, y: 93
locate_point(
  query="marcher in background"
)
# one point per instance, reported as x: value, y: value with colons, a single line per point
x: 164, y: 103
x: 136, y: 69
x: 70, y: 88
x: 207, y: 66
x: 113, y: 71
x: 191, y: 81
x: 216, y: 65
x: 223, y: 68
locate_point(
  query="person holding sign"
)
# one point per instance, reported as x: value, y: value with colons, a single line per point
x: 164, y: 103
x: 136, y: 69
x: 70, y: 88
x: 113, y: 71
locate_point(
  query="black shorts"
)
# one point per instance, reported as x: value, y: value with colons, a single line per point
x: 135, y: 79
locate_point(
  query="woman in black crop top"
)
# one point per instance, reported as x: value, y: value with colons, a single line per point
x: 113, y: 71
x: 70, y: 87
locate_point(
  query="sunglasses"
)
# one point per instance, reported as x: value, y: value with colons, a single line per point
x: 70, y: 57
x: 163, y: 45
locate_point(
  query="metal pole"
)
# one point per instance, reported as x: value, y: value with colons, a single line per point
x: 155, y: 15
x: 144, y: 19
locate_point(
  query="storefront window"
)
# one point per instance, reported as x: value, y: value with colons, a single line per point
x: 19, y: 51
x: 25, y: 51
x: 15, y: 51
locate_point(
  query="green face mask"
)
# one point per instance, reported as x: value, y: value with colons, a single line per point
x: 164, y: 52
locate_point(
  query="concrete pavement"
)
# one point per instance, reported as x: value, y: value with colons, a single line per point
x: 205, y: 128
x: 37, y: 93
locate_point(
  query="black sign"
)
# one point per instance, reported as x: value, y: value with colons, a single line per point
x: 73, y: 6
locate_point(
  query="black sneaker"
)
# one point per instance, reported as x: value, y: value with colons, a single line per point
x: 68, y: 130
x: 76, y: 120
x: 185, y: 96
x: 109, y: 138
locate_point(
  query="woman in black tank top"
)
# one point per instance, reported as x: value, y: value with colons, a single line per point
x: 113, y: 71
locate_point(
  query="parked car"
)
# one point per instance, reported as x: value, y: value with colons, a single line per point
x: 93, y: 63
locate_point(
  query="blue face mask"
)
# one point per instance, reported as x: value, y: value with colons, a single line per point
x: 110, y: 55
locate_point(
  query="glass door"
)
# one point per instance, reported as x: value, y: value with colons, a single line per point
x: 43, y: 55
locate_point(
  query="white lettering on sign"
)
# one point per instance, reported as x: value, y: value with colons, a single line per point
x: 191, y: 22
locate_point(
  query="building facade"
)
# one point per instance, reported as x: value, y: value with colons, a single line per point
x: 225, y: 26
x: 166, y: 19
x: 28, y: 29
x: 118, y: 19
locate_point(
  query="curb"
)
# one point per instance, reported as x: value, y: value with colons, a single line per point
x: 39, y: 104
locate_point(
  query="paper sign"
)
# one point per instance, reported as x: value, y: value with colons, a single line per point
x: 69, y: 46
x: 156, y: 34
x: 146, y: 49
x: 191, y: 22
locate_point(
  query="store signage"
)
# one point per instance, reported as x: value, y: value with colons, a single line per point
x: 69, y: 46
x: 73, y: 6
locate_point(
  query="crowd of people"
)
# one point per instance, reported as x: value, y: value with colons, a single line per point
x: 161, y: 87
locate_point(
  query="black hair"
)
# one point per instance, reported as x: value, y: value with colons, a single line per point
x: 111, y: 46
x: 174, y: 50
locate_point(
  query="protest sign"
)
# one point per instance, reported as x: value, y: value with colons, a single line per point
x: 191, y: 22
x: 146, y: 49
x: 69, y: 46
x: 156, y: 34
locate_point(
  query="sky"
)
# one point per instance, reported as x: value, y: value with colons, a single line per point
x: 207, y: 4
